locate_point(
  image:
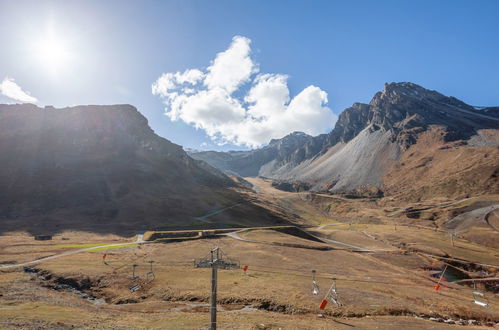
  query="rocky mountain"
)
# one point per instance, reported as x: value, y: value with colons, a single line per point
x: 371, y: 143
x: 249, y: 163
x: 102, y: 168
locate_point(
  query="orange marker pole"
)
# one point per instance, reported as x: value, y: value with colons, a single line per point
x: 437, y: 286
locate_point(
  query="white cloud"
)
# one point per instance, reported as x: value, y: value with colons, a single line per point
x: 205, y: 99
x: 9, y: 88
x: 170, y: 81
x: 233, y: 67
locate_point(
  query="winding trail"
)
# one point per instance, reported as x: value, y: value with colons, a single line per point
x: 328, y: 241
x: 492, y: 219
x: 205, y: 217
x: 332, y: 241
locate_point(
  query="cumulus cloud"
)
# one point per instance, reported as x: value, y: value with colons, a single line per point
x: 232, y: 67
x: 9, y: 88
x: 234, y: 103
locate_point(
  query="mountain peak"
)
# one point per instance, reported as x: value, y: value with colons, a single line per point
x: 296, y: 135
x: 408, y: 105
x: 408, y: 89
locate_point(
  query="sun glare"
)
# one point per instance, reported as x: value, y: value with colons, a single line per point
x: 52, y: 53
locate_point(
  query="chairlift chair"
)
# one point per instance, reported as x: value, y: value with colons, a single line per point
x: 315, y: 286
x: 333, y: 294
x: 149, y: 277
x: 479, y: 297
x: 135, y: 287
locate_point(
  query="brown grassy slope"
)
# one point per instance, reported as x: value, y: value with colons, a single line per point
x: 433, y: 168
x: 279, y: 278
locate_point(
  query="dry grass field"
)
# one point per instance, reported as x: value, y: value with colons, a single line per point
x: 383, y: 275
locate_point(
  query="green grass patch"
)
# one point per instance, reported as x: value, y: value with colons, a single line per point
x: 105, y: 248
x: 78, y: 246
x: 97, y: 249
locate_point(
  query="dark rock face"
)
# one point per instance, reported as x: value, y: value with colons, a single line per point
x: 409, y: 107
x: 350, y: 123
x: 368, y: 138
x: 98, y: 166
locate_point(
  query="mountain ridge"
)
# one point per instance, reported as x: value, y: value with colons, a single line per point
x: 102, y: 168
x: 370, y: 138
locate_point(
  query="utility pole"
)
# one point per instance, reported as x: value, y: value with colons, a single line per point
x: 150, y: 275
x: 133, y: 272
x: 216, y: 259
x: 151, y: 262
x: 215, y: 254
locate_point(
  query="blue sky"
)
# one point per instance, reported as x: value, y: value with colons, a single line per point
x: 115, y: 50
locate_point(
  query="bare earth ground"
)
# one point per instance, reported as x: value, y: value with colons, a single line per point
x: 389, y: 287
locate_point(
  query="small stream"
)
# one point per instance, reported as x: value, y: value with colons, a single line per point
x: 65, y: 287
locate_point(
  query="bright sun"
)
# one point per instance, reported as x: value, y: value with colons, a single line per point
x: 52, y: 53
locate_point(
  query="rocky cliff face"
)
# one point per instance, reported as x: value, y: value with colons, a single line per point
x: 350, y: 123
x: 99, y: 168
x: 405, y: 108
x: 369, y: 140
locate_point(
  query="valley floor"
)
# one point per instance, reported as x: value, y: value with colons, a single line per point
x: 383, y: 262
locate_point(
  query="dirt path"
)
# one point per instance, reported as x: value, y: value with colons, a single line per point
x: 492, y: 219
x: 68, y: 253
x: 332, y: 241
x: 205, y: 217
x: 328, y: 241
x: 428, y: 207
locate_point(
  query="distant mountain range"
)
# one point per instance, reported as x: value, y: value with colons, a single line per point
x: 102, y: 168
x: 408, y: 142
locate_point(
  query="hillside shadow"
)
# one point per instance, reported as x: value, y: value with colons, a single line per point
x: 243, y: 214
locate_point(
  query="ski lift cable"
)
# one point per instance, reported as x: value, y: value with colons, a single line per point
x: 339, y: 273
x: 293, y: 272
x: 257, y: 269
x: 328, y: 277
x: 284, y: 271
x: 355, y: 278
